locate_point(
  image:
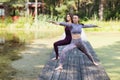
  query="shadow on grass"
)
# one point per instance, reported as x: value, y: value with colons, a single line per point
x: 110, y: 58
x: 32, y: 62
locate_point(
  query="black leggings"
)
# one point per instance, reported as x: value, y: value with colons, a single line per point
x: 60, y: 43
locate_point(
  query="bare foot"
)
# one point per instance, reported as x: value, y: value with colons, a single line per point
x: 59, y: 68
x: 95, y: 63
x: 55, y: 58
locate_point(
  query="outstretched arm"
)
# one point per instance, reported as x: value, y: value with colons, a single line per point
x: 89, y: 26
x: 53, y: 22
x: 61, y: 23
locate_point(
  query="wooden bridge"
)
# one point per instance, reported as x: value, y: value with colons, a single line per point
x: 76, y: 67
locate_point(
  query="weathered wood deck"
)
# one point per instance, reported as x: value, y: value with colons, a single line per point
x: 77, y: 67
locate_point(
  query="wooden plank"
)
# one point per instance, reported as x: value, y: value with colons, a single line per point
x: 86, y: 63
x: 77, y: 67
x: 69, y: 70
x: 84, y: 74
x: 56, y: 75
x: 64, y: 72
x: 48, y: 70
x: 73, y: 67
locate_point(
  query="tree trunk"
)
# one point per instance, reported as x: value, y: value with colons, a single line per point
x: 43, y: 7
x: 78, y: 5
x: 101, y: 9
x: 36, y: 1
x: 27, y: 6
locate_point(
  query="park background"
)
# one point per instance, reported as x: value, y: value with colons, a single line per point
x: 23, y: 21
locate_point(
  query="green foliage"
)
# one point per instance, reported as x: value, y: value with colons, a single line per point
x: 61, y: 9
x: 6, y: 71
x: 103, y: 25
x: 85, y: 8
x: 9, y: 52
x: 65, y: 7
x: 17, y: 34
x: 26, y: 29
x: 48, y: 30
x: 6, y: 22
x: 4, y: 0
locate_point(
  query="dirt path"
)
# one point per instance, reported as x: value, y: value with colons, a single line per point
x: 33, y: 59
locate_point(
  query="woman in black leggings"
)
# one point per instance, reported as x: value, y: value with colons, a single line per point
x: 67, y: 38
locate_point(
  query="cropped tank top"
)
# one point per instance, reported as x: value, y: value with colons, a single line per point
x: 76, y: 28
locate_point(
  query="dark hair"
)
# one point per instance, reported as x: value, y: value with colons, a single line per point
x: 78, y: 17
x: 71, y: 16
x: 75, y: 15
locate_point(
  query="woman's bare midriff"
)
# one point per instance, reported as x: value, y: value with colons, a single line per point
x: 76, y: 36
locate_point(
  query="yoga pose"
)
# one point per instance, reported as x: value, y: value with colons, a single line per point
x: 67, y: 38
x: 75, y: 29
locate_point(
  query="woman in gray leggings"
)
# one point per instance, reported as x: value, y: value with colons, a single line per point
x: 75, y: 29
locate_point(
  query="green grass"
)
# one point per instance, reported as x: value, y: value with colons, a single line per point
x: 105, y: 25
x: 5, y: 69
x: 9, y: 52
x: 107, y: 47
x: 26, y: 29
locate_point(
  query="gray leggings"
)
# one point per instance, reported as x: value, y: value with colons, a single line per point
x: 75, y: 43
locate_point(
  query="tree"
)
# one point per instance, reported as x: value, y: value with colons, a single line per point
x: 101, y: 9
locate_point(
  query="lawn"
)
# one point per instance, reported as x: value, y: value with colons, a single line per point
x: 107, y: 47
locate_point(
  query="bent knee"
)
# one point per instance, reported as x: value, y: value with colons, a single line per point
x: 55, y: 44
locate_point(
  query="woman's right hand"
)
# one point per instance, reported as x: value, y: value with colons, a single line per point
x: 53, y: 22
